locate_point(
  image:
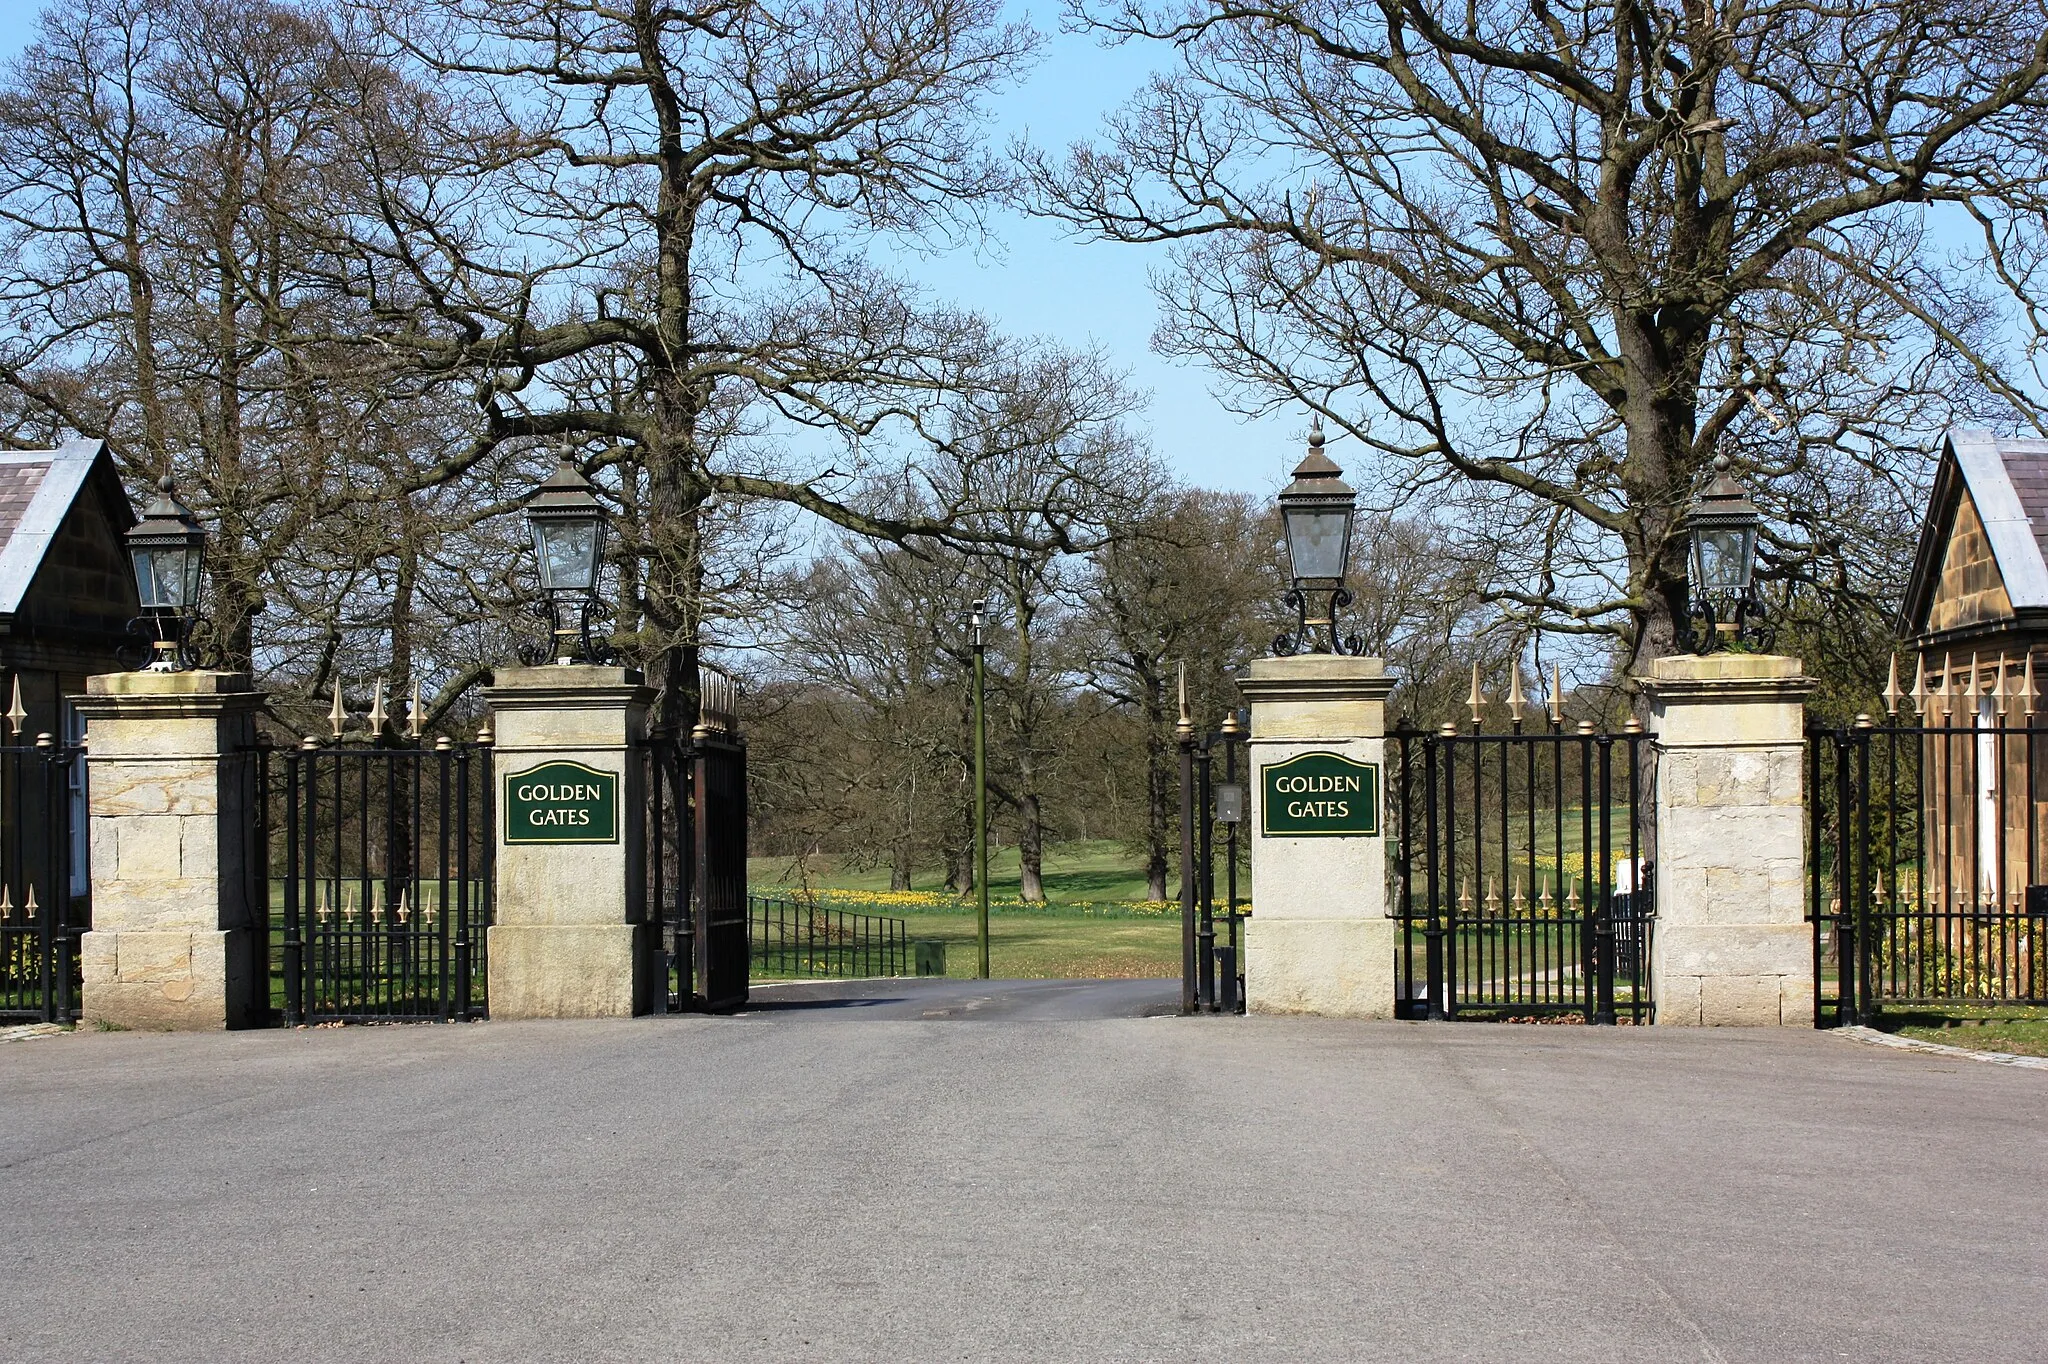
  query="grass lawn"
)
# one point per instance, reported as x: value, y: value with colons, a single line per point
x: 1054, y: 946
x: 1097, y: 870
x: 2016, y: 1028
x: 1092, y: 926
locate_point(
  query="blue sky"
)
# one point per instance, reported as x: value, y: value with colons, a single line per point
x: 1036, y: 282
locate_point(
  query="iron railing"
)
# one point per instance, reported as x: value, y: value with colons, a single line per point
x: 1925, y: 860
x: 1521, y: 880
x: 692, y: 851
x: 1212, y: 973
x: 383, y: 911
x: 785, y: 938
x: 41, y: 867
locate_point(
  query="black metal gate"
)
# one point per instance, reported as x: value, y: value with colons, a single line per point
x: 1212, y: 973
x: 1521, y: 880
x: 693, y: 844
x: 43, y: 900
x: 1925, y: 868
x: 383, y: 910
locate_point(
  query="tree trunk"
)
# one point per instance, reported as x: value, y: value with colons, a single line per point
x: 1159, y: 785
x: 899, y: 865
x: 1030, y: 848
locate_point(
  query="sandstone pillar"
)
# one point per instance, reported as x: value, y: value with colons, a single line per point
x: 1319, y: 940
x: 175, y: 916
x: 570, y: 937
x: 1730, y: 943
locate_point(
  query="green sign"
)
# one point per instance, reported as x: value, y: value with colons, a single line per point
x: 1319, y: 795
x: 562, y: 802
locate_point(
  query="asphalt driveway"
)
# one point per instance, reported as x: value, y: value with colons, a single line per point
x: 873, y: 1178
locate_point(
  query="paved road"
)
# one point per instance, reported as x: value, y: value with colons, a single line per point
x: 856, y: 1183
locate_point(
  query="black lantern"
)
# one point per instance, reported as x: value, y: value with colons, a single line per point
x: 167, y: 550
x: 1316, y: 512
x: 568, y: 525
x: 1725, y: 607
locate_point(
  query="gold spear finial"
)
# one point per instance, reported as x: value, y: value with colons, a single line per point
x: 1477, y: 699
x: 378, y: 715
x: 1998, y: 686
x: 2027, y: 692
x: 1891, y: 688
x: 1556, y: 698
x: 337, y: 714
x: 17, y: 714
x: 28, y: 906
x: 1919, y: 692
x: 1517, y: 703
x: 1970, y: 686
x: 412, y: 713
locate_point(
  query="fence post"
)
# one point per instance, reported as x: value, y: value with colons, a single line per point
x: 1319, y: 940
x: 569, y: 937
x: 175, y: 933
x: 1731, y: 944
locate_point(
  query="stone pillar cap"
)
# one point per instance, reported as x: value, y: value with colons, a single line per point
x: 197, y: 682
x: 1726, y: 675
x: 1313, y: 677
x: 555, y: 676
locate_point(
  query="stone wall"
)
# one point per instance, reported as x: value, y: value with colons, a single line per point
x: 1731, y: 945
x: 173, y: 941
x: 1969, y: 590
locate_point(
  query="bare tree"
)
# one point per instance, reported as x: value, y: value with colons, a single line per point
x: 1192, y: 577
x: 1557, y: 256
x: 641, y: 225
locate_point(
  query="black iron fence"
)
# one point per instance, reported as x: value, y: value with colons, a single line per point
x: 692, y: 843
x: 385, y: 902
x: 43, y: 904
x: 1212, y: 972
x: 1925, y: 866
x: 1521, y: 875
x: 789, y: 939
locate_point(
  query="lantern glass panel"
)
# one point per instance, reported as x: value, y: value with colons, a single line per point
x: 164, y: 580
x: 193, y: 554
x: 1723, y: 556
x: 569, y: 551
x: 1318, y: 541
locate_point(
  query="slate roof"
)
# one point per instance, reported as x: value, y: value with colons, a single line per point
x: 37, y: 490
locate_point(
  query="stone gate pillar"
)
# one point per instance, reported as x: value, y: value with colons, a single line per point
x: 1319, y: 940
x: 570, y: 937
x: 1730, y: 943
x: 175, y: 911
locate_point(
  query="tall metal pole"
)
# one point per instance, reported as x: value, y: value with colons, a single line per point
x: 1205, y: 931
x: 1185, y: 732
x: 981, y: 784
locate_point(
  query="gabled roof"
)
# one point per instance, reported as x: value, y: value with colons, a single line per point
x: 38, y: 488
x: 2007, y: 479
